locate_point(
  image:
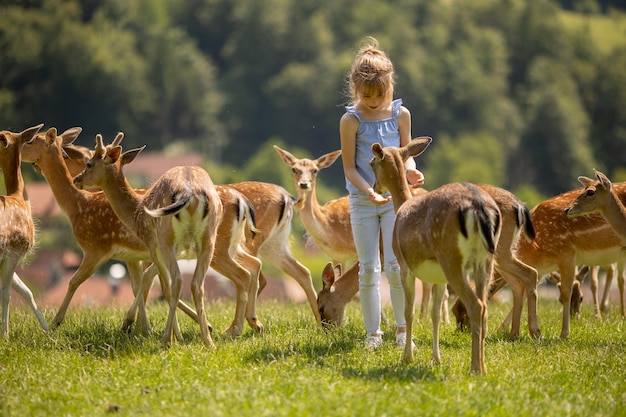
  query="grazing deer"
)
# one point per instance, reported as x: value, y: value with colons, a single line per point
x: 330, y: 228
x: 58, y: 160
x: 599, y: 196
x: 443, y: 236
x: 17, y: 234
x: 179, y: 213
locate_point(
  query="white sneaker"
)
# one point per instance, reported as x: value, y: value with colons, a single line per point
x: 372, y: 342
x: 401, y: 341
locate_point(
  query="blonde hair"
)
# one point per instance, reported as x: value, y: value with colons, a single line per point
x: 372, y: 71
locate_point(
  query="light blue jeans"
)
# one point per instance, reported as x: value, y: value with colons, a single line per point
x: 369, y: 221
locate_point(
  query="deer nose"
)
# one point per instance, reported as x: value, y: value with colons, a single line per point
x: 304, y: 185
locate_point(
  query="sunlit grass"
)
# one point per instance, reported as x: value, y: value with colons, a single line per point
x: 89, y: 367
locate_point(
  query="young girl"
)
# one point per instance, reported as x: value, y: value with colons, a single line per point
x: 374, y: 117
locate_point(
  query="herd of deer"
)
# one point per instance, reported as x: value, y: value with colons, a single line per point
x: 444, y: 237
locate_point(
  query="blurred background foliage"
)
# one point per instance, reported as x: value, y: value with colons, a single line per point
x: 525, y: 95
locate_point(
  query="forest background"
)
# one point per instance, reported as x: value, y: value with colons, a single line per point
x: 526, y: 95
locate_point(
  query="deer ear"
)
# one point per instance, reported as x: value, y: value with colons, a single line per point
x: 377, y: 150
x: 604, y: 180
x: 418, y: 145
x: 287, y: 158
x: 554, y: 277
x: 328, y: 276
x: 51, y: 135
x: 70, y: 135
x: 129, y: 156
x: 28, y: 134
x: 113, y: 154
x: 327, y: 160
x: 585, y: 181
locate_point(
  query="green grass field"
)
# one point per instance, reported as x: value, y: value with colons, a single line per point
x: 89, y: 368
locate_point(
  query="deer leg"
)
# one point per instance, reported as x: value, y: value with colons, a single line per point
x: 86, y: 268
x: 145, y: 283
x: 172, y: 286
x: 7, y: 279
x: 445, y: 310
x: 27, y: 295
x: 611, y: 272
x: 620, y: 287
x: 593, y: 285
x: 408, y: 283
x: 197, y: 288
x: 302, y: 275
x: 254, y: 269
x: 437, y: 295
x: 567, y: 281
x: 241, y: 278
x: 135, y: 272
x: 426, y: 294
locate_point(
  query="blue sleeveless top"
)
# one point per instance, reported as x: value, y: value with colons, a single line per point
x: 383, y: 131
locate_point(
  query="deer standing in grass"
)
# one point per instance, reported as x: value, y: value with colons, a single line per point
x: 329, y: 227
x: 598, y: 196
x: 443, y: 237
x: 179, y: 213
x: 272, y: 208
x: 101, y: 235
x: 564, y: 242
x: 17, y: 234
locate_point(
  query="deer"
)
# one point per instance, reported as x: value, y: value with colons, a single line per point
x: 563, y: 242
x: 270, y: 205
x: 274, y: 212
x: 17, y: 235
x: 179, y: 214
x: 338, y: 289
x: 599, y: 196
x: 444, y: 237
x: 330, y: 229
x: 92, y: 218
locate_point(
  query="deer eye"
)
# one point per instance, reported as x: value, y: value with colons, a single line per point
x: 590, y: 193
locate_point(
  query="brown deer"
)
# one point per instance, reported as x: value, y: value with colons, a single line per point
x: 272, y: 207
x: 330, y: 229
x: 338, y: 290
x: 179, y: 213
x: 56, y: 157
x: 443, y: 236
x: 17, y: 234
x: 599, y: 196
x: 563, y: 242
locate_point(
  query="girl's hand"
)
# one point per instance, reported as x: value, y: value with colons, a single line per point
x: 415, y: 177
x: 377, y: 198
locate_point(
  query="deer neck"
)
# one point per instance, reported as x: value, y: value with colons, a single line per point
x: 13, y: 181
x: 123, y: 198
x: 347, y: 286
x: 67, y: 195
x: 399, y: 189
x: 615, y: 214
x: 311, y: 209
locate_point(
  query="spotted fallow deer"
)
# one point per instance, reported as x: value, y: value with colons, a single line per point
x: 329, y: 227
x: 272, y: 208
x: 599, y: 196
x: 338, y: 289
x: 564, y: 242
x: 444, y: 237
x: 179, y: 213
x: 101, y: 235
x: 17, y: 234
